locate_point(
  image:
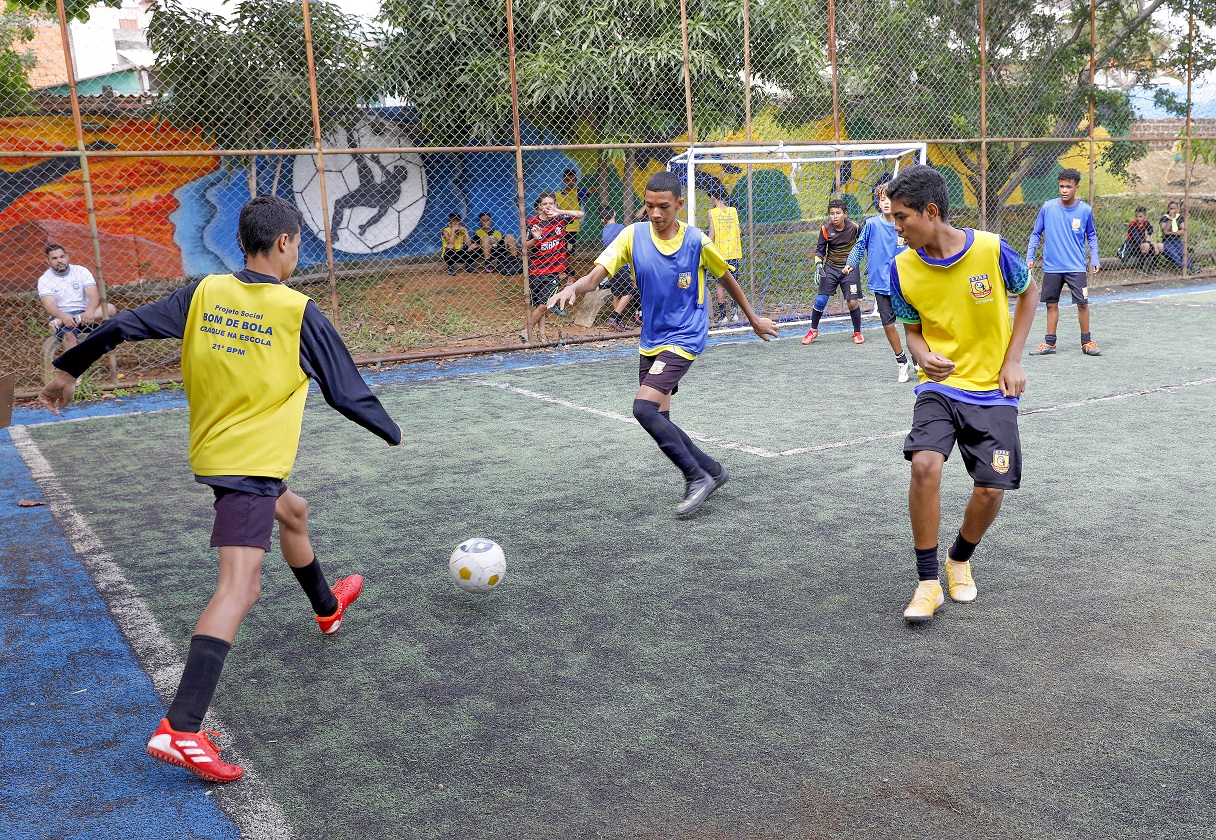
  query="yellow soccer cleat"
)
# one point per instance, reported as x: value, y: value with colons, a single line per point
x: 927, y: 598
x: 962, y: 584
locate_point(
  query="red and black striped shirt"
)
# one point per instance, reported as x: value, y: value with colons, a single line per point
x: 549, y: 251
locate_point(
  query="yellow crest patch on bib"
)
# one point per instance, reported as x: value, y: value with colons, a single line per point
x: 685, y: 279
x: 981, y: 286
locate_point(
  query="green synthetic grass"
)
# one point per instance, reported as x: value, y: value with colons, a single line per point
x: 744, y: 673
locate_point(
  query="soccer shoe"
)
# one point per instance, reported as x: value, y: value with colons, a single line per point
x: 1090, y: 348
x: 193, y: 751
x: 722, y: 478
x: 695, y: 493
x: 810, y: 336
x: 961, y: 583
x: 346, y: 590
x: 905, y: 371
x: 858, y: 338
x: 1044, y: 349
x: 927, y: 598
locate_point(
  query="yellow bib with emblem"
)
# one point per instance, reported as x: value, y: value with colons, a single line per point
x: 241, y: 369
x: 964, y: 310
x: 726, y: 232
x: 569, y: 201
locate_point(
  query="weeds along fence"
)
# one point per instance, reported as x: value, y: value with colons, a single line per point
x: 133, y: 138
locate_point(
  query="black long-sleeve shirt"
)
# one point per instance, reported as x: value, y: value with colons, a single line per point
x: 323, y: 355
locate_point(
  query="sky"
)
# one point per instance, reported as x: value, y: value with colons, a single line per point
x: 362, y: 8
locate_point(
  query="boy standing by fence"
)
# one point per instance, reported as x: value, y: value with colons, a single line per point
x: 669, y: 260
x: 249, y: 347
x: 548, y: 255
x: 951, y: 290
x: 1066, y: 226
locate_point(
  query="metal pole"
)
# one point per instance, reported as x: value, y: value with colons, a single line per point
x: 86, y: 181
x: 519, y: 171
x: 1186, y: 165
x: 690, y: 209
x: 1093, y: 48
x: 983, y: 214
x: 747, y: 129
x: 835, y: 85
x: 316, y: 135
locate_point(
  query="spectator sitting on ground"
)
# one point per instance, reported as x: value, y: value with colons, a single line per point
x: 501, y: 251
x: 455, y: 238
x: 1173, y: 227
x: 1139, y: 245
x: 70, y: 296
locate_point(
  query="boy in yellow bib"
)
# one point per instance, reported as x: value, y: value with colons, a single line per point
x: 951, y: 290
x: 249, y: 347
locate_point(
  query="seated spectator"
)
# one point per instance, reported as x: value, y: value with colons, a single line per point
x: 1139, y: 247
x: 1173, y: 226
x: 69, y: 294
x: 456, y: 249
x: 500, y: 251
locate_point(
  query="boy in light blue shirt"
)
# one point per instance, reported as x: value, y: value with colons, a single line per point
x: 879, y: 240
x: 1065, y: 226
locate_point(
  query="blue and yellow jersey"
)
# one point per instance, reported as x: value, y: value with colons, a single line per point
x: 459, y: 242
x: 962, y: 306
x: 241, y: 369
x: 725, y: 222
x: 670, y: 275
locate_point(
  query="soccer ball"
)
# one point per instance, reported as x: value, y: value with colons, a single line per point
x: 478, y: 565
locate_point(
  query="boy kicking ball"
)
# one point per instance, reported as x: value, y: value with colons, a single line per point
x: 951, y: 289
x: 669, y: 260
x: 249, y: 347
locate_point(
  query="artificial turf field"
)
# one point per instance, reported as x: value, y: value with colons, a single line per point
x: 744, y: 673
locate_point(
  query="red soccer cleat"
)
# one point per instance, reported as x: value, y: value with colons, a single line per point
x: 810, y: 336
x: 346, y: 590
x: 193, y: 751
x: 858, y: 338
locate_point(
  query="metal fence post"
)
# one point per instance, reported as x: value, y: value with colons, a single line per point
x: 747, y: 133
x: 520, y: 200
x: 983, y: 196
x: 316, y: 134
x: 690, y: 209
x: 1186, y: 165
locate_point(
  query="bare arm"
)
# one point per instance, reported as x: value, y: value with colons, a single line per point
x: 583, y: 284
x: 94, y: 301
x: 52, y: 308
x: 1013, y: 378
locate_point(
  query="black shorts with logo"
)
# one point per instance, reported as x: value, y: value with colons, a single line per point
x: 987, y: 436
x: 541, y: 287
x: 662, y: 372
x: 1053, y: 285
x: 886, y: 312
x: 830, y: 277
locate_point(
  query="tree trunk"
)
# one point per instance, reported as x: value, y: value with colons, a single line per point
x: 253, y: 176
x: 601, y: 173
x: 278, y: 170
x: 627, y: 196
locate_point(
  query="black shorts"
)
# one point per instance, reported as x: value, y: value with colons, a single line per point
x: 666, y: 379
x: 886, y: 312
x: 621, y: 283
x: 79, y: 332
x: 830, y: 277
x: 243, y: 518
x: 1053, y: 284
x: 542, y: 287
x: 987, y: 436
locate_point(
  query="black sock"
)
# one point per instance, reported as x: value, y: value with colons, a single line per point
x: 1050, y: 338
x: 707, y: 463
x: 855, y: 315
x: 204, y: 663
x: 1086, y: 338
x: 667, y: 435
x: 902, y: 359
x: 926, y: 563
x: 962, y: 550
x: 312, y: 581
x: 816, y: 314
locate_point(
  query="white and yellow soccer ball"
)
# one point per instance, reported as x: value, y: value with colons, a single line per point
x: 478, y: 565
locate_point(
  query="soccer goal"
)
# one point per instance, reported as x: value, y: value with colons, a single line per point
x: 781, y: 194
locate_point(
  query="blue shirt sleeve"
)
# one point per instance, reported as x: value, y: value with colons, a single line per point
x: 1091, y: 233
x: 904, y: 311
x: 859, y: 247
x: 1013, y: 269
x: 1035, y: 235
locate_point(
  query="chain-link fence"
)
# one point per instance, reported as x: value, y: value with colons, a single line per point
x: 428, y: 148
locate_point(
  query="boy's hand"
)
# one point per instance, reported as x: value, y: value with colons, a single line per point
x: 564, y: 296
x: 848, y: 269
x: 58, y: 392
x: 937, y: 367
x: 765, y: 328
x: 1012, y: 378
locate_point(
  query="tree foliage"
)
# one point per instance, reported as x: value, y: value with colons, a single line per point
x: 49, y: 9
x: 16, y: 62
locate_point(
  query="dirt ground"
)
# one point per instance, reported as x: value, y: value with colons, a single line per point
x: 1160, y: 173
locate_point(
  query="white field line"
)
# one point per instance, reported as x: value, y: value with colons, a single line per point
x: 759, y: 451
x: 247, y: 802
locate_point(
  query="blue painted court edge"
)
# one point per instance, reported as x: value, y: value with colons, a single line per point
x: 70, y: 684
x: 74, y: 696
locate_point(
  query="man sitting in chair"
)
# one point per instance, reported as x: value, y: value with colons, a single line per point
x: 69, y: 294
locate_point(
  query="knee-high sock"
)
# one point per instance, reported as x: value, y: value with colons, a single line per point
x: 855, y: 314
x: 821, y: 303
x: 201, y: 675
x: 707, y: 463
x: 667, y: 435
